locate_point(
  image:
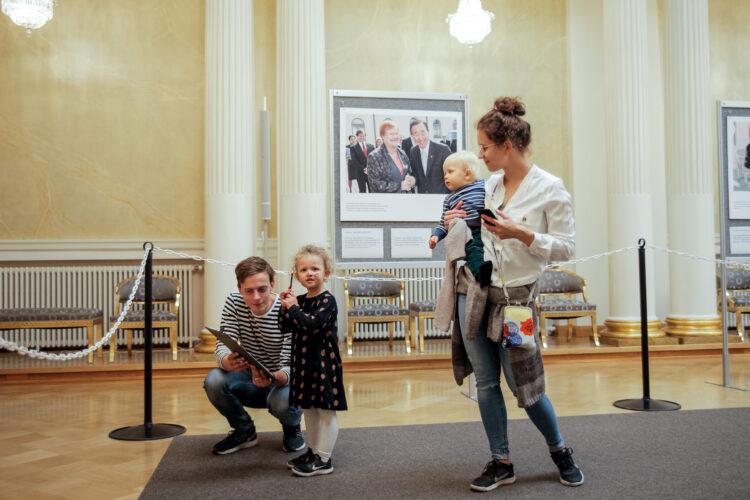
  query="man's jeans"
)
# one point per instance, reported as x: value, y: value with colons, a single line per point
x: 231, y: 391
x: 487, y: 358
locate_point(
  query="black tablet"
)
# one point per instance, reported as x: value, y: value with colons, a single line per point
x: 235, y: 347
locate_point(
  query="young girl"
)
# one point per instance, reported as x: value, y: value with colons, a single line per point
x: 316, y: 383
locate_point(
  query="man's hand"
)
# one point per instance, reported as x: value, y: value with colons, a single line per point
x: 234, y: 363
x: 259, y: 379
x: 433, y: 242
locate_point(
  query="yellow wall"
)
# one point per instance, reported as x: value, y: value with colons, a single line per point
x: 405, y: 46
x: 101, y: 122
x: 102, y: 110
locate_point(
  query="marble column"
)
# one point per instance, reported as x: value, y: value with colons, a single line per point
x: 230, y: 211
x: 628, y: 187
x: 693, y: 315
x: 301, y: 127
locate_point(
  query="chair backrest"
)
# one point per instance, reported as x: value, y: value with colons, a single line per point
x: 163, y: 289
x: 738, y: 278
x: 559, y: 281
x: 384, y: 286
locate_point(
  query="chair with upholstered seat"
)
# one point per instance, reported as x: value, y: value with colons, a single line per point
x: 165, y: 290
x: 418, y: 312
x: 738, y: 294
x: 562, y: 295
x: 371, y: 298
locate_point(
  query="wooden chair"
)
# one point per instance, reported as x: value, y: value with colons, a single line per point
x: 373, y: 301
x: 558, y: 299
x: 738, y: 294
x: 165, y: 290
x: 418, y: 312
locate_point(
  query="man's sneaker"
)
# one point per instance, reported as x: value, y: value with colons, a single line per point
x: 313, y: 467
x: 570, y: 474
x: 236, y: 440
x: 304, y: 458
x: 495, y: 474
x: 293, y: 440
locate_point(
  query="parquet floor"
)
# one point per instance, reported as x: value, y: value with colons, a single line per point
x: 55, y: 444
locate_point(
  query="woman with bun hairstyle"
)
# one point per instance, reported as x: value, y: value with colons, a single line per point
x: 534, y: 225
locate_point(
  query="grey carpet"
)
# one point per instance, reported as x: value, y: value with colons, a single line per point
x: 684, y: 454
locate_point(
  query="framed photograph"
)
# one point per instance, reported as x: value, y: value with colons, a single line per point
x: 388, y: 150
x: 734, y: 177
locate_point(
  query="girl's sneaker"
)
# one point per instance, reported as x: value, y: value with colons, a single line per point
x: 313, y: 467
x: 304, y: 458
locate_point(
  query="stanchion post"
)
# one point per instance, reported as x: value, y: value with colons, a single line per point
x: 148, y: 431
x: 645, y: 403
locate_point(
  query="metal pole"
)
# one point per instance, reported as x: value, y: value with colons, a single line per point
x: 644, y: 317
x: 645, y: 403
x: 148, y: 341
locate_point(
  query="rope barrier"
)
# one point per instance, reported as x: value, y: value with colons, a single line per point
x: 34, y: 353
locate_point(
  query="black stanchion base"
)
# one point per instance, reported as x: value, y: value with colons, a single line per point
x: 647, y: 404
x: 147, y: 432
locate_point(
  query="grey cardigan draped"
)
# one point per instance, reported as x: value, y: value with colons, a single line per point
x: 526, y: 364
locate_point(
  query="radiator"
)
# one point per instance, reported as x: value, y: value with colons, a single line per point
x: 414, y: 291
x: 84, y: 286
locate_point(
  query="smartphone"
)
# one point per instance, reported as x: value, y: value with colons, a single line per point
x: 486, y: 211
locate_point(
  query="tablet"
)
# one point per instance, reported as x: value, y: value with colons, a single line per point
x: 235, y: 347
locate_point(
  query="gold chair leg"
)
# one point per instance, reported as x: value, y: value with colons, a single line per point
x: 90, y: 331
x: 112, y: 345
x: 173, y: 341
x: 350, y: 336
x: 390, y: 335
x: 570, y: 330
x: 740, y: 329
x: 543, y: 330
x: 407, y: 336
x: 129, y: 337
x: 593, y: 327
x: 412, y: 326
x: 97, y: 338
x: 421, y: 334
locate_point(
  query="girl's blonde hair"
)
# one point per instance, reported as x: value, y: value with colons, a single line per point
x: 317, y: 251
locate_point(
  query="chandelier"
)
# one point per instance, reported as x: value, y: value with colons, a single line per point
x: 470, y: 23
x: 29, y: 14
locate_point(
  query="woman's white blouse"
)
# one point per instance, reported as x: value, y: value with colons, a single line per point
x: 541, y: 204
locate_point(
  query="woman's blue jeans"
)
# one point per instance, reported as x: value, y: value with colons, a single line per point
x: 487, y: 358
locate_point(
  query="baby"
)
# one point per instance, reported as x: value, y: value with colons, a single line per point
x: 460, y: 171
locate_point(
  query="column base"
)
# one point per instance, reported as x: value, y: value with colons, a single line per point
x: 697, y: 330
x: 207, y: 344
x: 628, y: 333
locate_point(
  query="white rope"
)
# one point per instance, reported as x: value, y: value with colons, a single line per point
x: 34, y: 353
x: 706, y: 259
x: 12, y: 346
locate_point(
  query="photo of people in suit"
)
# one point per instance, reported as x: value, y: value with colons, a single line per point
x: 738, y: 166
x: 395, y: 152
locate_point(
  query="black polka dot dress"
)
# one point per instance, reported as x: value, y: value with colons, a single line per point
x: 316, y: 380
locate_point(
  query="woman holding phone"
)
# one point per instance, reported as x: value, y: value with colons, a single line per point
x: 532, y: 224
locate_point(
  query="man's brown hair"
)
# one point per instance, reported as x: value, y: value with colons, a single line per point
x: 253, y: 265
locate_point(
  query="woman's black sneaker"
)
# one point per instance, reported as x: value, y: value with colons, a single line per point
x: 236, y: 440
x: 570, y: 474
x: 304, y: 458
x: 313, y: 467
x: 495, y: 474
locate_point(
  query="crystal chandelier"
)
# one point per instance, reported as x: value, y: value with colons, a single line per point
x: 470, y: 23
x: 29, y: 14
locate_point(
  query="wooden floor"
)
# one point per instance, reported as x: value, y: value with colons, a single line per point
x: 55, y: 444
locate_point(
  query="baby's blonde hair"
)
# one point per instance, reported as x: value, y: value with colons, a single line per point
x: 318, y: 252
x: 468, y: 160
